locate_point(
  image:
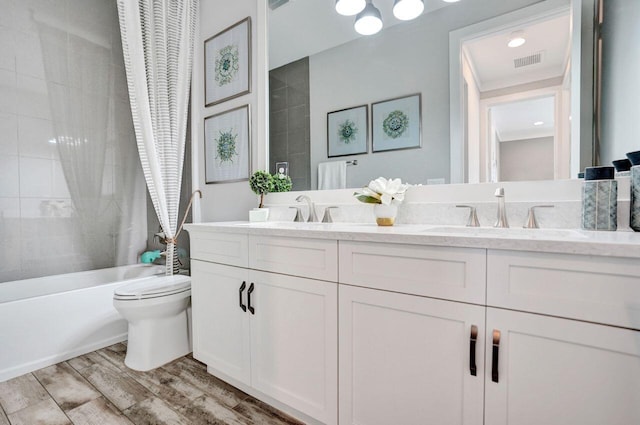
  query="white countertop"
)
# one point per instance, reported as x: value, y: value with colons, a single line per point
x: 567, y: 241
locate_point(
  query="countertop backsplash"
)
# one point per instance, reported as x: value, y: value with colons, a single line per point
x: 437, y: 204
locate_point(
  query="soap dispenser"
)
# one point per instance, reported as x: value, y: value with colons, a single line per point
x: 599, y: 199
x: 634, y: 216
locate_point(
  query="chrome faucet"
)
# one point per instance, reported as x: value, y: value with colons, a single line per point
x: 502, y: 211
x: 312, y: 208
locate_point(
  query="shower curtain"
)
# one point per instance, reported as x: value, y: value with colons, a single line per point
x: 157, y: 42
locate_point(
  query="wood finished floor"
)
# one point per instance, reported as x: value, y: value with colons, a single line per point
x: 98, y: 389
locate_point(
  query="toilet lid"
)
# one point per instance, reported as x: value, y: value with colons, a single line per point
x: 152, y: 287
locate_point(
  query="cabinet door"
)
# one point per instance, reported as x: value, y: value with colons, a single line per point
x: 220, y: 325
x: 555, y: 371
x: 294, y: 342
x: 406, y: 359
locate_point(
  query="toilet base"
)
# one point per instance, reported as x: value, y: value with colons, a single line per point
x: 154, y: 343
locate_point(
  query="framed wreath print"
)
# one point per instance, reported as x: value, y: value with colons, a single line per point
x: 227, y: 146
x: 347, y: 131
x: 227, y: 63
x: 397, y: 123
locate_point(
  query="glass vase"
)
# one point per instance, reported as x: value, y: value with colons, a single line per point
x: 385, y: 214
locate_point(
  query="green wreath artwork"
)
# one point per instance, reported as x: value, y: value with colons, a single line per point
x: 347, y: 131
x: 227, y: 64
x: 395, y: 124
x: 226, y: 146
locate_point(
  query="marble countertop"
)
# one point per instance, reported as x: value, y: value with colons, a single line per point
x: 566, y: 241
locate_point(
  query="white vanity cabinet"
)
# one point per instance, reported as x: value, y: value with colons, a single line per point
x: 566, y: 369
x: 555, y: 371
x: 369, y: 332
x: 274, y: 333
x: 406, y: 358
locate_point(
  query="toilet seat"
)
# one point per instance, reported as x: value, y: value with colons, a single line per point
x: 153, y: 288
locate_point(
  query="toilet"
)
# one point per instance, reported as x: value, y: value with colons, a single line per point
x: 158, y: 311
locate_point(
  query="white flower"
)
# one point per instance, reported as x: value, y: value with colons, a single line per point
x: 383, y: 191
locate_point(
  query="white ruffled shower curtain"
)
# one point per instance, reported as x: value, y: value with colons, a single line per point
x: 157, y: 42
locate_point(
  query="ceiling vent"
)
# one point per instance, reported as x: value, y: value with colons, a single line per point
x: 533, y: 59
x: 274, y: 4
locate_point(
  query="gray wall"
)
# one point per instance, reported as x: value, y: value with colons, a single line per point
x: 375, y: 68
x: 289, y: 121
x: 525, y: 160
x: 620, y: 131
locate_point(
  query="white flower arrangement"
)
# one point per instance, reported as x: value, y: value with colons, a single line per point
x: 382, y: 191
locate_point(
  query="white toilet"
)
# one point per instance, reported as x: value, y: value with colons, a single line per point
x: 157, y: 309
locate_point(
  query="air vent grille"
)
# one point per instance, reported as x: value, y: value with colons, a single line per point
x: 274, y: 4
x: 533, y: 59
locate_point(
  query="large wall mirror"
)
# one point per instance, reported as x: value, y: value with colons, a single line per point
x: 488, y: 112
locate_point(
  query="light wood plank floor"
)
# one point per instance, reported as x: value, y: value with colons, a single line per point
x: 98, y: 389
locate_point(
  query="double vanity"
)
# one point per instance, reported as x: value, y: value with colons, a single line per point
x: 416, y: 324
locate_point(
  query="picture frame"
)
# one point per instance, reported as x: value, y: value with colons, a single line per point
x: 227, y: 146
x: 348, y: 131
x: 227, y: 63
x: 397, y: 123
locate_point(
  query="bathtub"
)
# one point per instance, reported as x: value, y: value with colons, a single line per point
x: 46, y: 320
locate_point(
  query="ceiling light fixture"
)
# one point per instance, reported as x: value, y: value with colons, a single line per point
x: 516, y: 39
x: 450, y: 1
x: 538, y: 123
x: 406, y: 10
x: 350, y: 7
x: 369, y: 21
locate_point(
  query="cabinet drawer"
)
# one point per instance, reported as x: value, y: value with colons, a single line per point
x: 451, y: 273
x: 311, y: 258
x: 223, y: 248
x: 597, y: 289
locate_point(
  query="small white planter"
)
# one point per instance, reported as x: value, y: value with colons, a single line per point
x: 259, y: 214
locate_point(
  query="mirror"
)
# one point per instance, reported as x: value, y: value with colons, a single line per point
x: 320, y: 65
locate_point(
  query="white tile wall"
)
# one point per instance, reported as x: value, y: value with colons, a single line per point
x: 7, y: 91
x: 9, y: 176
x: 8, y: 134
x: 60, y: 64
x: 36, y: 135
x: 7, y: 50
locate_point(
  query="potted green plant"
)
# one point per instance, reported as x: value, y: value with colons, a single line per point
x: 281, y: 183
x: 261, y: 183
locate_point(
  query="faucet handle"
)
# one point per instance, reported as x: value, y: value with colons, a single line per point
x: 473, y: 216
x: 531, y: 222
x: 298, y: 217
x: 327, y: 215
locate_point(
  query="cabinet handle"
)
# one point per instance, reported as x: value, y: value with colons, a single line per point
x: 242, y: 288
x: 472, y: 350
x: 494, y: 360
x: 251, y: 309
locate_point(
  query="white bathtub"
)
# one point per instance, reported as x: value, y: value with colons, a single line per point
x: 50, y: 319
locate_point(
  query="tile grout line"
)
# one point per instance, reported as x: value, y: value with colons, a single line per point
x: 153, y: 395
x: 51, y: 397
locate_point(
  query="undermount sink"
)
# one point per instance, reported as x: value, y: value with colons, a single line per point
x: 507, y: 232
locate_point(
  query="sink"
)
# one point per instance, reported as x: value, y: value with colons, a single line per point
x: 508, y: 232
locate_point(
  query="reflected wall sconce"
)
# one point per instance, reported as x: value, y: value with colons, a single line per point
x: 369, y: 21
x: 350, y: 7
x: 368, y: 17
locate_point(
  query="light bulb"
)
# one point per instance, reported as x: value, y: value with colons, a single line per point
x: 405, y: 10
x: 350, y: 7
x: 516, y: 39
x: 369, y: 21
